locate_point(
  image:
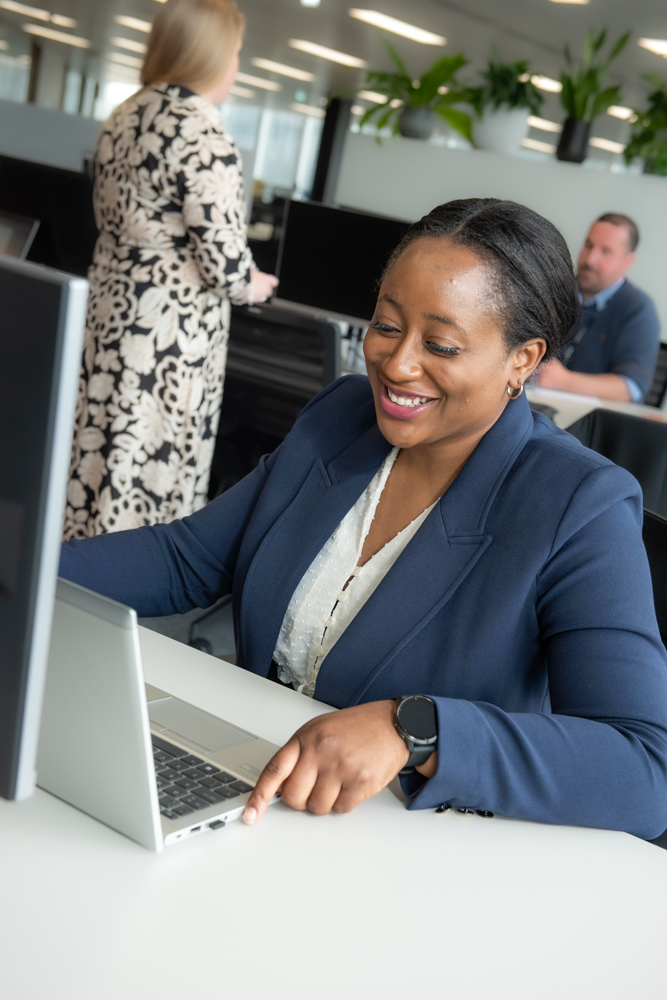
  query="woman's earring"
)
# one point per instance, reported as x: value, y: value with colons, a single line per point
x: 514, y: 393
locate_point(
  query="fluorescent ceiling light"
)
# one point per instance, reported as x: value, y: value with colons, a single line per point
x: 56, y: 36
x: 241, y: 92
x: 657, y: 45
x: 371, y: 95
x: 3, y: 44
x: 38, y: 13
x: 129, y: 43
x: 310, y: 3
x: 541, y: 147
x: 258, y: 81
x: 313, y: 49
x: 21, y: 8
x: 544, y: 124
x: 275, y: 67
x: 396, y: 103
x: 307, y: 109
x: 627, y: 114
x: 546, y: 83
x: 611, y: 147
x: 379, y: 20
x: 124, y: 60
x: 133, y: 22
x: 357, y: 109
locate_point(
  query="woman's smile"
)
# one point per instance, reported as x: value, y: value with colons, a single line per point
x: 401, y: 404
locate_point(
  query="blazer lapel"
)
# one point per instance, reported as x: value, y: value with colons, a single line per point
x: 295, y: 538
x: 418, y: 585
x: 430, y: 569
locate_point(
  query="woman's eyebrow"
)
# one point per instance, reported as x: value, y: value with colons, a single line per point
x: 392, y: 302
x: 446, y: 320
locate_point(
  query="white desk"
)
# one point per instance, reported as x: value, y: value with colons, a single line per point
x: 571, y: 407
x: 380, y: 903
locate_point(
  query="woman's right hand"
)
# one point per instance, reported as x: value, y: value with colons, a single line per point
x: 262, y: 286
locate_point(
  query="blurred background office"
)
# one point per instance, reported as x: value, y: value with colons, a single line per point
x: 351, y: 123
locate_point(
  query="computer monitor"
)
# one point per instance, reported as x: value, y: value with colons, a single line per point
x: 331, y: 259
x: 62, y: 200
x: 41, y: 332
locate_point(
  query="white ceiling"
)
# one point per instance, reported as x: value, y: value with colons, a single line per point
x: 533, y: 29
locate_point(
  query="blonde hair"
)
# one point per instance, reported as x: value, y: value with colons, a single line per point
x: 192, y: 42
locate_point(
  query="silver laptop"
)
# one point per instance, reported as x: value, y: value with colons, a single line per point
x: 147, y: 764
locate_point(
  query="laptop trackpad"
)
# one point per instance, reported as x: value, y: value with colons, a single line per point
x: 206, y: 731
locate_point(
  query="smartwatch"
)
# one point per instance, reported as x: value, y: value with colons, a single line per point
x: 416, y: 722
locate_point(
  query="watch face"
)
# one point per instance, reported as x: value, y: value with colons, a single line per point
x: 418, y: 719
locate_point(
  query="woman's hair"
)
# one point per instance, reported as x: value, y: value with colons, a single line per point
x: 192, y: 42
x: 535, y: 286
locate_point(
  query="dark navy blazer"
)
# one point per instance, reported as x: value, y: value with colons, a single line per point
x: 623, y: 338
x: 523, y: 605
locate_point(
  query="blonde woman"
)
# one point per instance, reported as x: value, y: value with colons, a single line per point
x: 171, y: 254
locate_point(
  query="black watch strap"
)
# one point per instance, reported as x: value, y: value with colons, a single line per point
x: 424, y: 741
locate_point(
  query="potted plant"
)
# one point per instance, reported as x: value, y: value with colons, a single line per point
x: 649, y: 133
x: 502, y: 105
x: 583, y: 96
x: 413, y: 106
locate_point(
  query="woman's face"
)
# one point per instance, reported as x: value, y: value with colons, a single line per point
x: 218, y: 92
x: 435, y: 352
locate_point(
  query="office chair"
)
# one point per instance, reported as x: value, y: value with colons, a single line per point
x: 656, y: 393
x: 277, y: 360
x: 655, y: 540
x: 636, y: 444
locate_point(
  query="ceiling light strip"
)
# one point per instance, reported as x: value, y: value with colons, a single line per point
x: 544, y: 124
x: 56, y: 36
x: 128, y: 43
x: 133, y: 22
x: 258, y: 81
x: 379, y: 20
x: 241, y: 91
x: 283, y: 70
x: 546, y: 83
x: 307, y: 109
x: 540, y: 147
x: 322, y: 52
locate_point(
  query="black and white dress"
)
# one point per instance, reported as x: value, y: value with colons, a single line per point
x: 171, y: 254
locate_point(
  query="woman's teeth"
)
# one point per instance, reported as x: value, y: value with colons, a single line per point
x: 407, y: 400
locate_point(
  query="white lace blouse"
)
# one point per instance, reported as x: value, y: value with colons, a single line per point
x: 320, y: 610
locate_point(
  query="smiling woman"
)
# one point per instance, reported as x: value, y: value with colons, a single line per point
x: 466, y: 582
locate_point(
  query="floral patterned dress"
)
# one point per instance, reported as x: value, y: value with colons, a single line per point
x: 171, y: 253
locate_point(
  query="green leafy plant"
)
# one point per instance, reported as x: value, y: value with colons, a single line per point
x: 583, y: 96
x: 437, y: 90
x: 649, y: 133
x: 506, y: 84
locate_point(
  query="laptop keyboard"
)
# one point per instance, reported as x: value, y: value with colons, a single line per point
x: 186, y: 783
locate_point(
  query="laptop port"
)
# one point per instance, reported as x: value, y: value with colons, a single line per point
x: 195, y: 829
x: 216, y: 824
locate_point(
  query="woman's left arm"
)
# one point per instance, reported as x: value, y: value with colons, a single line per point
x: 211, y: 187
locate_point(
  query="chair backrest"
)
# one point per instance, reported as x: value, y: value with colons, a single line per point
x: 655, y: 540
x: 277, y: 360
x: 636, y: 444
x: 656, y: 393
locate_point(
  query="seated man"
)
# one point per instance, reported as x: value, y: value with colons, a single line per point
x: 614, y: 350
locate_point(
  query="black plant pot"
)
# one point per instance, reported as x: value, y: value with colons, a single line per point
x: 573, y: 142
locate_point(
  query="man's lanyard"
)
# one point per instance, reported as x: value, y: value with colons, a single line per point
x: 587, y: 323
